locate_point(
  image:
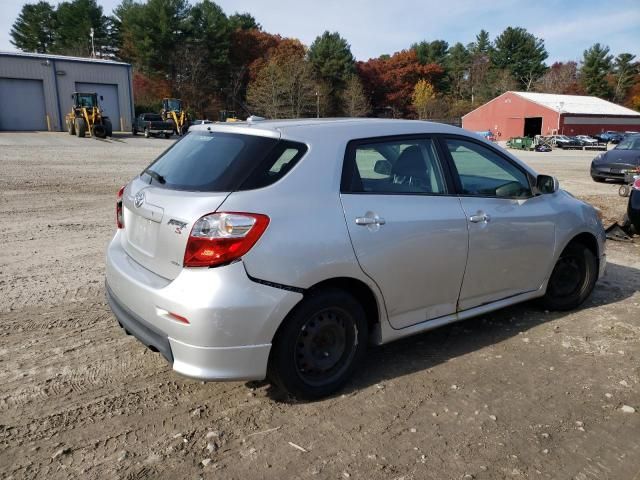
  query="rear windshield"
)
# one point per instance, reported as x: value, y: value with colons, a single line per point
x: 206, y: 161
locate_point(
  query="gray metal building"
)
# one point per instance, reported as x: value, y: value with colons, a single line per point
x: 35, y: 90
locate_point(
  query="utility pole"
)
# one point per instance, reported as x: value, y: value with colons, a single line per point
x: 93, y: 48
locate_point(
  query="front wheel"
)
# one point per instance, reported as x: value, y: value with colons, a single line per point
x: 146, y: 133
x: 319, y: 345
x: 572, y: 279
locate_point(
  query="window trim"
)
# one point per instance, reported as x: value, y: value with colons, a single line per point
x: 349, y: 164
x: 442, y: 139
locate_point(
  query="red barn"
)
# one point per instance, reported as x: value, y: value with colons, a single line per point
x: 518, y: 114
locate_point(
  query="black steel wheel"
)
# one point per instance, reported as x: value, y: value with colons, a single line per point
x: 572, y: 279
x: 319, y: 345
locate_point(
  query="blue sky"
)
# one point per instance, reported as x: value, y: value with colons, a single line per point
x: 374, y: 27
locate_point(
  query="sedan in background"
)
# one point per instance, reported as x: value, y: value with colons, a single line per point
x: 587, y: 140
x: 614, y: 164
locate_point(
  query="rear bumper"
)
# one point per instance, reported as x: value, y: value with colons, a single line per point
x: 232, y: 319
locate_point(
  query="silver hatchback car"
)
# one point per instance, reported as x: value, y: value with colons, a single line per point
x: 280, y: 249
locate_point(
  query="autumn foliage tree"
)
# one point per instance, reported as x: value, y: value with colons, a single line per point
x: 390, y: 81
x: 422, y: 98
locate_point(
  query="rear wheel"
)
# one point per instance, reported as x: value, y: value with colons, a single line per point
x: 599, y: 179
x: 319, y: 345
x: 134, y: 131
x: 572, y: 279
x: 80, y: 127
x: 71, y: 127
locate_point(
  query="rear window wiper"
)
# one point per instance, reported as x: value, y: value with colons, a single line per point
x: 155, y: 175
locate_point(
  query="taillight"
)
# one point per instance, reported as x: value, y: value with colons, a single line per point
x: 636, y: 183
x: 119, y: 215
x: 220, y: 238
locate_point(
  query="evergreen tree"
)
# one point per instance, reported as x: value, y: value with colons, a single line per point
x: 596, y: 64
x: 522, y: 54
x: 431, y: 52
x: 333, y: 63
x: 243, y: 21
x: 457, y: 67
x: 74, y: 22
x: 34, y: 28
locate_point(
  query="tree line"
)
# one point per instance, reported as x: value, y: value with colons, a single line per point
x: 215, y: 61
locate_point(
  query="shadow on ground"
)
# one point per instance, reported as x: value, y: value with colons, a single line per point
x: 426, y: 350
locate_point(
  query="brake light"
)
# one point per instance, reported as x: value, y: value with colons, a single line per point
x: 636, y: 183
x: 119, y: 215
x: 219, y: 238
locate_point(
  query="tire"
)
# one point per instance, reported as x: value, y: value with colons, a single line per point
x: 81, y: 127
x: 624, y: 190
x: 599, y: 179
x: 71, y: 128
x: 328, y: 319
x: 572, y: 279
x: 167, y: 135
x: 134, y: 131
x: 108, y: 127
x: 146, y: 133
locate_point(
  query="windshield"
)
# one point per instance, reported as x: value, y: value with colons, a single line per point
x: 205, y: 161
x: 174, y: 104
x: 629, y: 143
x: 86, y: 100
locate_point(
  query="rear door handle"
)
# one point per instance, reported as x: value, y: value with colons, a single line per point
x: 370, y: 221
x: 479, y: 218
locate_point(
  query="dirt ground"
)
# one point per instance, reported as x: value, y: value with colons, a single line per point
x: 520, y: 393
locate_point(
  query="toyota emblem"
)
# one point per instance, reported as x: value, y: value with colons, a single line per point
x: 138, y: 200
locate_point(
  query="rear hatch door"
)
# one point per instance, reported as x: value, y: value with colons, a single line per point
x: 190, y: 180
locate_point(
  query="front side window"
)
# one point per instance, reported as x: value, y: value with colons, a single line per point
x: 484, y: 173
x: 398, y: 166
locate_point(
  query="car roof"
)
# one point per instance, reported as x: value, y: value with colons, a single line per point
x: 347, y: 127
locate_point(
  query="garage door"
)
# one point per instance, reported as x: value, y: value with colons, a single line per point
x: 109, y: 101
x: 22, y: 105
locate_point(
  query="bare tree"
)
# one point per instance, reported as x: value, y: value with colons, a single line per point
x: 284, y: 88
x: 558, y: 79
x: 354, y: 100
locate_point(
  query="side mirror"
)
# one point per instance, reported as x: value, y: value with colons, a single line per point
x: 383, y: 167
x: 547, y: 184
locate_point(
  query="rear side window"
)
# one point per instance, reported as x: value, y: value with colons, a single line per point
x: 395, y: 166
x: 208, y: 161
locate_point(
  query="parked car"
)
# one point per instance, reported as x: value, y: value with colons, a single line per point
x: 587, y: 140
x: 282, y: 248
x: 152, y: 125
x: 487, y: 135
x: 613, y: 165
x: 610, y: 137
x: 563, y: 141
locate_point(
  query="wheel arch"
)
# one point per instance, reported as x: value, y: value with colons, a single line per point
x: 362, y: 292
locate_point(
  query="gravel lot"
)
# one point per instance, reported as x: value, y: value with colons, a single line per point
x: 520, y: 393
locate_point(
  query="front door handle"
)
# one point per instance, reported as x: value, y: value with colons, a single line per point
x: 479, y: 218
x: 370, y: 221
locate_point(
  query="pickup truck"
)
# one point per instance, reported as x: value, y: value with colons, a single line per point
x: 152, y: 125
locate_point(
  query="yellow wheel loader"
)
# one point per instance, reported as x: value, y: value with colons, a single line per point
x: 86, y: 116
x: 172, y: 111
